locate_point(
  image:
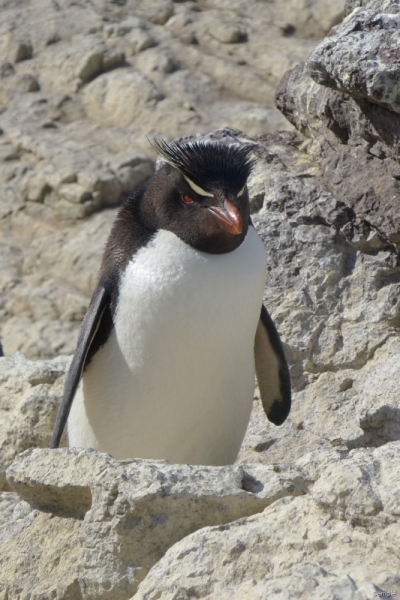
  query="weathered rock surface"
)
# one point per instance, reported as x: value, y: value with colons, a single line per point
x: 103, y: 523
x: 330, y: 527
x: 363, y: 172
x: 361, y: 58
x: 8, y: 502
x: 382, y: 6
x: 340, y: 541
x: 30, y: 393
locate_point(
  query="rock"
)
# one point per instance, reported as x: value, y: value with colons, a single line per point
x: 40, y: 337
x: 359, y: 488
x: 27, y: 83
x: 8, y: 502
x: 382, y: 6
x: 29, y: 396
x: 111, y: 521
x: 67, y: 67
x: 15, y: 48
x: 140, y: 41
x: 313, y: 18
x: 6, y: 69
x: 343, y: 329
x: 43, y: 308
x: 256, y: 119
x: 359, y: 58
x: 356, y: 144
x: 34, y: 187
x: 157, y: 13
x: 342, y: 540
x: 156, y: 61
x: 223, y: 29
x: 111, y: 60
x: 118, y: 98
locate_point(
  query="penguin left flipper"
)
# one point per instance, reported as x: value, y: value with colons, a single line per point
x: 88, y: 330
x: 271, y: 370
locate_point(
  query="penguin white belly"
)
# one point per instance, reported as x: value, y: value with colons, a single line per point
x: 175, y: 379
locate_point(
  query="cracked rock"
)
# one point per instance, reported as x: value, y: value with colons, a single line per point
x: 112, y: 520
x: 360, y: 58
x: 340, y: 541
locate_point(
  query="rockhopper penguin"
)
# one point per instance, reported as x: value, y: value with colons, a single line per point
x: 176, y: 330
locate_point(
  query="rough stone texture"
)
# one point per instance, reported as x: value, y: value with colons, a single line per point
x: 356, y: 146
x: 98, y: 525
x: 341, y: 541
x: 8, y: 502
x: 103, y: 523
x: 41, y: 308
x: 382, y: 6
x: 78, y: 98
x: 30, y: 393
x: 365, y: 66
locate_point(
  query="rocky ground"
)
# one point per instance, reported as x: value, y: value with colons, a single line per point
x: 311, y: 509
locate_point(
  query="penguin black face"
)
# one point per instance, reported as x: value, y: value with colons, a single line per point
x: 199, y: 193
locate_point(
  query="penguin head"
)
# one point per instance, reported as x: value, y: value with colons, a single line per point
x: 199, y: 193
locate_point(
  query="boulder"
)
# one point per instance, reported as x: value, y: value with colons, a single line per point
x: 360, y: 58
x: 302, y: 545
x: 98, y: 525
x: 30, y: 393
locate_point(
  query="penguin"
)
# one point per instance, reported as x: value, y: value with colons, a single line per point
x: 176, y: 329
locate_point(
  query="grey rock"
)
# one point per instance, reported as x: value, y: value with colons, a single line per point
x: 6, y: 69
x: 68, y: 66
x: 223, y: 29
x: 111, y: 521
x: 29, y: 396
x: 19, y: 49
x: 157, y: 13
x: 26, y: 83
x: 8, y: 503
x: 119, y: 98
x: 361, y: 486
x: 155, y: 61
x: 356, y: 143
x: 323, y: 545
x: 359, y: 58
x: 382, y: 6
x: 313, y: 19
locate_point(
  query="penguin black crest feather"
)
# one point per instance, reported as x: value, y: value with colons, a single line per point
x: 208, y: 162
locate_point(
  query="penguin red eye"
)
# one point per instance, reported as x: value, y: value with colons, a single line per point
x: 188, y: 199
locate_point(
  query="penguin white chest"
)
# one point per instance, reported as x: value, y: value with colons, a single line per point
x: 175, y: 379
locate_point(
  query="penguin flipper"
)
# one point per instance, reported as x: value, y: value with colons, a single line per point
x: 88, y: 330
x: 272, y: 370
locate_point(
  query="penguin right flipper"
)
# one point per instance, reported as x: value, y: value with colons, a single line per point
x: 272, y: 370
x: 90, y: 325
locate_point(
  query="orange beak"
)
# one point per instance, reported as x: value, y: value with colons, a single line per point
x: 229, y: 219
